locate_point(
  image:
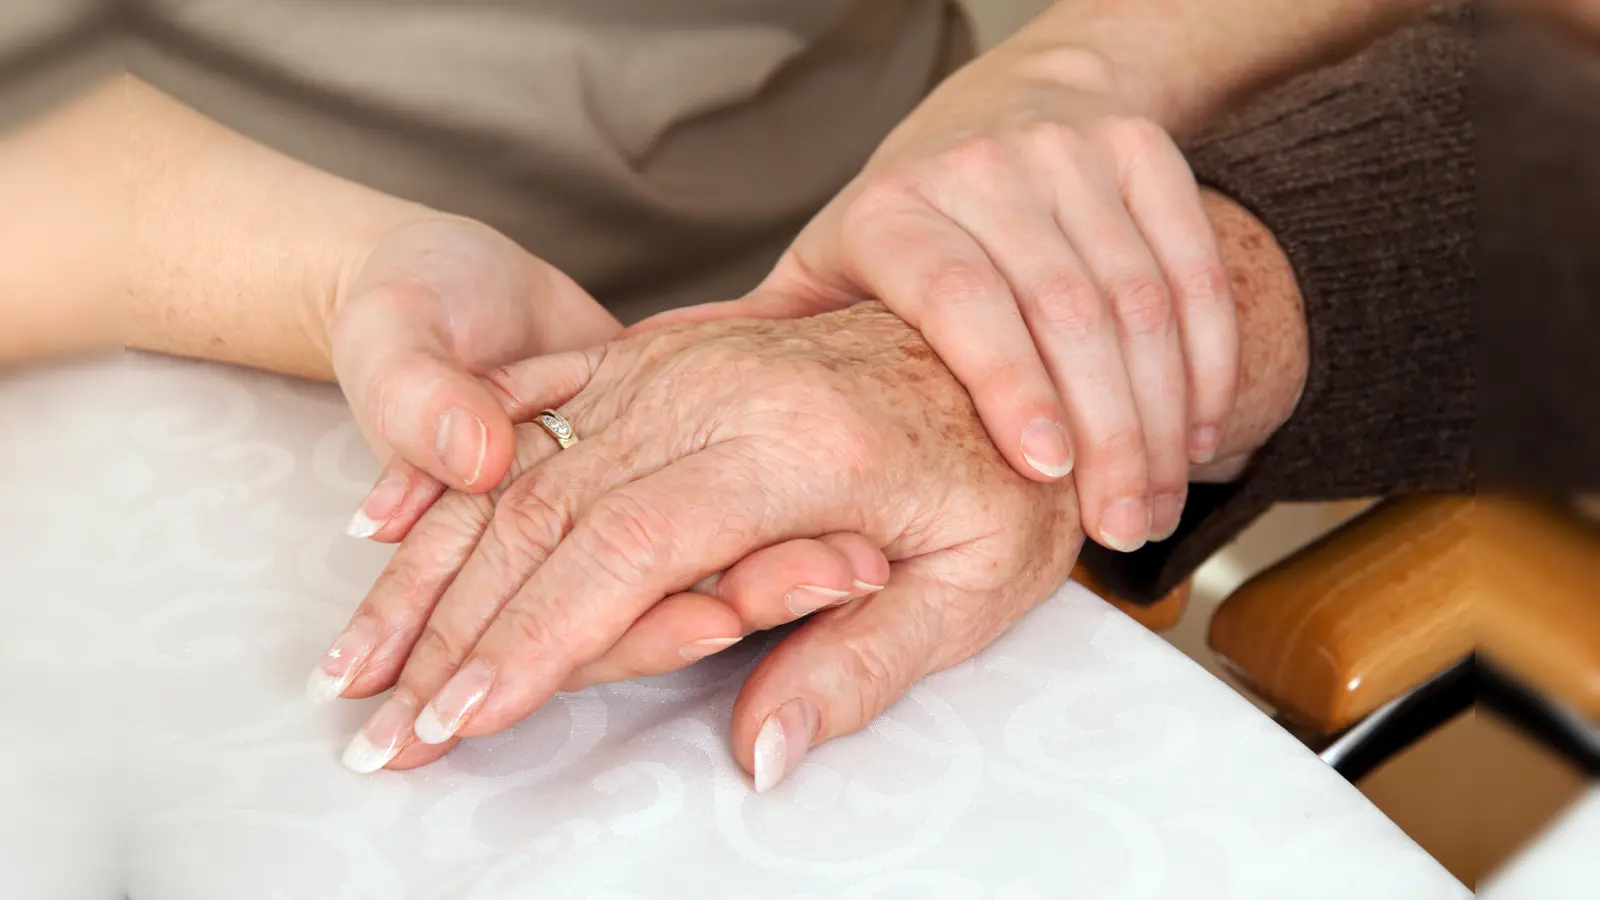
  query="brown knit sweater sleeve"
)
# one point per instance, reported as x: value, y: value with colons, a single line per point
x: 1363, y: 172
x: 1538, y: 106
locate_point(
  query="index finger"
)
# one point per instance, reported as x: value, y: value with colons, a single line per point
x: 641, y: 542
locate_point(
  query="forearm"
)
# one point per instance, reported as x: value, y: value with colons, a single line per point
x: 63, y: 233
x: 1185, y: 62
x: 238, y: 251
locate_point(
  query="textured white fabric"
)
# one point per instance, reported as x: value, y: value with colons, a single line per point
x: 1562, y: 864
x: 173, y: 564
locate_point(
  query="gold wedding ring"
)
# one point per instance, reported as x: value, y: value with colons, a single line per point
x: 557, y: 426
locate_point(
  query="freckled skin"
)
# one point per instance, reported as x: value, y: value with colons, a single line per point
x: 855, y: 416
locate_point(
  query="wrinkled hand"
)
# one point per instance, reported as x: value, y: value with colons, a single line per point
x: 702, y: 445
x: 1048, y: 240
x: 419, y: 315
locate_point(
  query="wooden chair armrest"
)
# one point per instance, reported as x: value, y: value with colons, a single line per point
x: 1158, y: 616
x: 1359, y: 617
x: 1538, y: 568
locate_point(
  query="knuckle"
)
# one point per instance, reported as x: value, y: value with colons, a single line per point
x: 1142, y: 304
x: 1168, y: 483
x: 1004, y: 377
x: 405, y: 578
x: 881, y: 195
x: 530, y: 629
x: 873, y: 671
x: 527, y: 518
x: 1055, y: 140
x: 506, y: 386
x: 1206, y: 284
x: 957, y: 286
x: 435, y: 648
x: 977, y: 158
x: 1068, y: 305
x: 1125, y: 442
x: 1134, y: 136
x: 628, y: 537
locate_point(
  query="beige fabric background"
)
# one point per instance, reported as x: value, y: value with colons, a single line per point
x: 660, y: 153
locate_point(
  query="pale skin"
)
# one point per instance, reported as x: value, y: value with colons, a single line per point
x: 245, y: 256
x: 704, y: 441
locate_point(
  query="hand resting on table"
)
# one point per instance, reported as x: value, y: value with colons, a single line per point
x: 702, y: 445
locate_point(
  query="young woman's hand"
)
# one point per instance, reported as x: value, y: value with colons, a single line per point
x: 417, y: 317
x: 1048, y: 239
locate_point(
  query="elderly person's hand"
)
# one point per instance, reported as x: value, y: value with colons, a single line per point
x: 701, y: 445
x: 1046, y: 236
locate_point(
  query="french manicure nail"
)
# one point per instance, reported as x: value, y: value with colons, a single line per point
x: 380, y: 505
x: 444, y: 715
x: 1166, y: 513
x: 381, y: 738
x: 1045, y: 447
x: 362, y: 525
x: 1125, y: 524
x: 1203, y: 444
x: 461, y: 440
x: 805, y: 599
x: 701, y: 649
x: 782, y: 742
x: 343, y: 661
x: 865, y: 587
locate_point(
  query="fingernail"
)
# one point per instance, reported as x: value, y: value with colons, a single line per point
x: 379, y: 506
x: 865, y: 587
x: 1044, y: 446
x: 708, y: 584
x: 1203, y: 444
x: 1166, y: 513
x: 443, y: 716
x: 805, y: 599
x: 381, y: 738
x: 340, y: 665
x: 784, y: 738
x: 461, y: 440
x: 703, y: 648
x: 1125, y: 524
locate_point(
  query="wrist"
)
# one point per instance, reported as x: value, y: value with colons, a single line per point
x: 1081, y: 63
x: 1274, y: 347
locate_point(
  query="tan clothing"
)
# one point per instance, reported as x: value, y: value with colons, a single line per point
x: 659, y: 151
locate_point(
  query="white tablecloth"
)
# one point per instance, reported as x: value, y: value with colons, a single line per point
x: 171, y: 563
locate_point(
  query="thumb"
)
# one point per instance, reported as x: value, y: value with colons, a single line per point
x: 837, y: 672
x: 414, y: 399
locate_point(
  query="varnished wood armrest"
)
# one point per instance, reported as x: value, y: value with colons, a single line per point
x: 1158, y: 616
x: 1538, y: 568
x: 1359, y: 617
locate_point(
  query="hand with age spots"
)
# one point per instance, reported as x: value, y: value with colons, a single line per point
x: 718, y: 447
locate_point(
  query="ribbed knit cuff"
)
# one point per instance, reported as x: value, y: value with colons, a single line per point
x: 1364, y: 174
